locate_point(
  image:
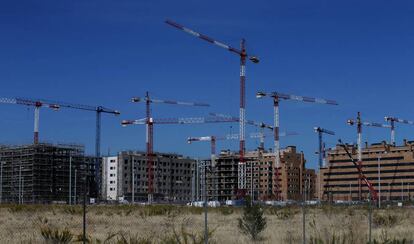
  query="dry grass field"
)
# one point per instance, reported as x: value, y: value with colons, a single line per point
x: 168, y: 224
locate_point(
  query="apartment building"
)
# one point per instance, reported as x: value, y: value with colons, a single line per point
x: 222, y: 180
x: 390, y: 168
x: 172, y: 179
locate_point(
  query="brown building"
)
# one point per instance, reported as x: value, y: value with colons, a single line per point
x: 389, y: 168
x: 222, y: 180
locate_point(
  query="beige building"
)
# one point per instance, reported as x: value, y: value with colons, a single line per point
x: 389, y: 168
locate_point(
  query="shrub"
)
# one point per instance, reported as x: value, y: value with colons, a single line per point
x: 283, y: 213
x: 185, y: 237
x: 56, y: 236
x: 252, y: 222
x: 226, y: 211
x: 385, y: 220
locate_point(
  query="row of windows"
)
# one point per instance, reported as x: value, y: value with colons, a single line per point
x: 374, y: 178
x: 173, y: 164
x: 365, y: 159
x: 370, y: 172
x: 374, y: 184
x: 364, y: 191
x: 374, y: 165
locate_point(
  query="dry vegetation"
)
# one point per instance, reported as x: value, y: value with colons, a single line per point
x: 167, y: 224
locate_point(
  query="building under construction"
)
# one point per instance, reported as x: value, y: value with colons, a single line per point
x: 42, y: 173
x: 172, y: 177
x: 293, y: 177
x: 389, y: 168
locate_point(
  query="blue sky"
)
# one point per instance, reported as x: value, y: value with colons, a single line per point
x: 360, y: 53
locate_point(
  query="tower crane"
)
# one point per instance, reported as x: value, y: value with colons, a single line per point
x: 149, y: 132
x: 359, y: 123
x: 276, y: 96
x: 322, y: 152
x: 56, y: 105
x: 164, y: 121
x: 242, y: 53
x: 214, y: 139
x: 392, y: 121
x: 262, y: 126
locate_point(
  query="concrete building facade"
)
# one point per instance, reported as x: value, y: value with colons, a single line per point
x: 389, y: 168
x: 109, y: 182
x: 222, y: 180
x: 172, y: 177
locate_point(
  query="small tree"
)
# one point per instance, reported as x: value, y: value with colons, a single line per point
x: 252, y: 222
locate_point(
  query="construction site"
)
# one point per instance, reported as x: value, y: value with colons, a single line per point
x: 292, y: 181
x: 42, y: 173
x: 388, y: 167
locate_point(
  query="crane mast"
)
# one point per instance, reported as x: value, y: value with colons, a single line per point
x: 149, y: 138
x: 392, y: 121
x: 243, y: 55
x: 359, y: 123
x: 277, y: 96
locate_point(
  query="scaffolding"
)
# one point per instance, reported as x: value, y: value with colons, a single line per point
x: 42, y: 173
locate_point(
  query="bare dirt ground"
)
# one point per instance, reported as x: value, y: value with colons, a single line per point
x: 160, y: 224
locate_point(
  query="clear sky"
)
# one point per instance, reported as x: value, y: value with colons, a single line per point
x: 360, y: 53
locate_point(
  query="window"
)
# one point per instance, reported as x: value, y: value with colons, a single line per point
x: 112, y: 161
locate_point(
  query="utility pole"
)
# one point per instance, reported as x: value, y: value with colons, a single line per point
x: 85, y: 188
x: 205, y: 203
x: 133, y: 180
x: 369, y: 217
x: 379, y: 182
x: 304, y: 215
x: 20, y: 183
x: 1, y: 181
x: 70, y: 180
x: 251, y: 183
x: 389, y: 191
x: 75, y: 186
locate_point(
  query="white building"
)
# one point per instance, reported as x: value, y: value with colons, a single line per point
x: 110, y: 178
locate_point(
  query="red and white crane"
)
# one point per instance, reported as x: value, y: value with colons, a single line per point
x: 149, y: 122
x: 149, y: 125
x: 37, y: 104
x: 243, y: 55
x: 214, y: 139
x: 262, y: 126
x: 359, y: 123
x: 392, y: 121
x: 277, y: 96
